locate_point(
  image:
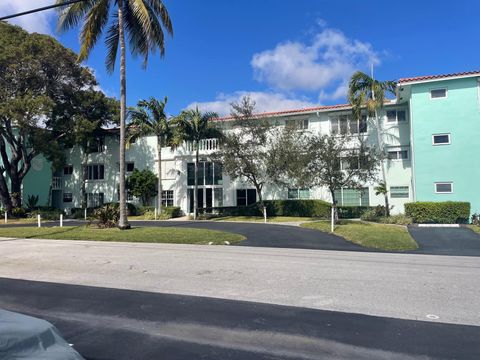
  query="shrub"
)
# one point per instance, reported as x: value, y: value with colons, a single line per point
x: 355, y: 212
x: 369, y: 215
x: 171, y: 211
x: 142, y: 209
x: 19, y: 212
x: 399, y: 219
x: 47, y: 214
x: 131, y: 209
x: 32, y: 201
x: 447, y: 212
x: 167, y: 213
x: 107, y: 215
x: 476, y: 219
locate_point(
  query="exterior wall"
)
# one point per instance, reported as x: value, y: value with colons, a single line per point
x: 37, y: 181
x: 459, y: 115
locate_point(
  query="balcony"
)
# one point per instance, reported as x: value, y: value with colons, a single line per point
x: 206, y: 145
x: 57, y: 183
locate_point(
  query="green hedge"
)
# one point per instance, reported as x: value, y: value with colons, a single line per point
x: 447, y: 212
x: 355, y: 212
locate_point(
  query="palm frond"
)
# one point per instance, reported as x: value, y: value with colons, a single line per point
x: 70, y: 16
x: 92, y: 28
x: 111, y: 42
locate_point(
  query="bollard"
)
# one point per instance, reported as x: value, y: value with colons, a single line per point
x: 39, y: 221
x: 85, y: 214
x: 61, y: 220
x: 6, y: 216
x: 155, y: 213
x: 333, y: 220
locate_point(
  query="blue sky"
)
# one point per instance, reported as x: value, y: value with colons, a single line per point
x: 286, y: 53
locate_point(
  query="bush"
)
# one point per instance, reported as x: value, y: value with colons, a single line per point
x: 107, y: 215
x: 19, y: 212
x: 399, y: 219
x: 447, y: 212
x: 46, y: 214
x: 355, y: 212
x: 476, y: 219
x: 141, y: 210
x: 167, y: 213
x: 369, y: 215
x: 131, y: 209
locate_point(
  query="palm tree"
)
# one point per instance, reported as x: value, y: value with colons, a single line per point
x: 195, y: 126
x: 144, y: 21
x: 366, y: 92
x: 149, y: 118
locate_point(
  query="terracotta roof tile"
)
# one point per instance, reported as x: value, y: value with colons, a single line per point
x: 434, y: 77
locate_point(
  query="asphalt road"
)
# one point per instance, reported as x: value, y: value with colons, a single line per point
x: 112, y: 324
x: 381, y: 284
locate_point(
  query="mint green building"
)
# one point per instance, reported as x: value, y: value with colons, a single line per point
x: 429, y: 133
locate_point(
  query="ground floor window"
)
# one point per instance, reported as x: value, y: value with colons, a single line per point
x: 399, y: 192
x: 298, y: 193
x: 94, y: 199
x: 67, y: 197
x: 246, y: 197
x: 443, y: 187
x: 352, y: 197
x: 167, y: 197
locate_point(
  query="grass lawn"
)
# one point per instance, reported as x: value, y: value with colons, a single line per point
x: 377, y: 236
x: 136, y: 234
x: 21, y: 221
x: 269, y: 219
x: 475, y: 228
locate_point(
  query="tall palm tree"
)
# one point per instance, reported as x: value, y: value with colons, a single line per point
x: 144, y: 21
x: 149, y: 118
x: 195, y: 126
x: 366, y: 92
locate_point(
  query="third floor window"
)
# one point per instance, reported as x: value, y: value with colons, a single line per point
x: 347, y: 125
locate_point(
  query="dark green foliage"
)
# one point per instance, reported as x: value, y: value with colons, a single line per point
x: 46, y: 214
x: 447, y: 212
x: 132, y: 210
x: 143, y: 184
x: 355, y: 212
x: 171, y: 211
x: 107, y: 215
x: 19, y: 212
x: 32, y: 201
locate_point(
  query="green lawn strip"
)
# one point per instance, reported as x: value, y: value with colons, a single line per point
x: 136, y: 234
x: 278, y: 219
x: 370, y: 235
x: 475, y: 228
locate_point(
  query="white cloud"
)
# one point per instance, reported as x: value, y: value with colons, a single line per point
x: 324, y: 65
x: 37, y: 22
x: 265, y: 101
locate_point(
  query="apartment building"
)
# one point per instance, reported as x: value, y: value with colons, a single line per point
x: 429, y: 133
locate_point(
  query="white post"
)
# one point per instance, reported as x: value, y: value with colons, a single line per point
x: 85, y: 215
x: 6, y: 216
x: 39, y: 220
x: 332, y: 225
x: 155, y: 213
x: 61, y: 220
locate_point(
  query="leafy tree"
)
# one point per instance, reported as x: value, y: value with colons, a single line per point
x: 337, y: 162
x: 256, y: 151
x: 149, y: 118
x: 144, y: 21
x: 195, y: 126
x: 143, y: 184
x: 366, y: 92
x: 41, y: 91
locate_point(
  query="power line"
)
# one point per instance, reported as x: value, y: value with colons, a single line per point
x: 40, y: 9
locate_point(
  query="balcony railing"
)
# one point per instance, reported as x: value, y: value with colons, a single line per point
x: 56, y: 183
x: 204, y: 145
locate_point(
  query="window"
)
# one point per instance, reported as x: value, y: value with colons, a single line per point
x: 209, y: 173
x: 68, y: 170
x: 296, y: 193
x: 352, y: 197
x: 167, y: 198
x: 394, y: 116
x: 94, y: 172
x: 67, y: 197
x: 94, y: 199
x: 246, y: 197
x: 438, y: 93
x: 399, y: 192
x: 444, y: 187
x: 441, y: 139
x: 96, y: 145
x: 347, y: 125
x: 398, y: 155
x: 298, y: 124
x: 130, y: 166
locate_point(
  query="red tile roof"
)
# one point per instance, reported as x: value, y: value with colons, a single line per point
x: 435, y: 77
x: 293, y: 111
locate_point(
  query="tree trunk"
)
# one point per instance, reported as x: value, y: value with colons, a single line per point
x: 83, y: 192
x: 123, y: 221
x: 382, y: 164
x: 195, y: 190
x: 334, y: 205
x: 16, y: 191
x: 5, y: 195
x: 159, y: 151
x: 260, y: 198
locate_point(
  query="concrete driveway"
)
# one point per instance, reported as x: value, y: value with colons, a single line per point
x: 459, y: 241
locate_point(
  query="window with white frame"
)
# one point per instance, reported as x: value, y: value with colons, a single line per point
x: 68, y: 170
x: 396, y: 116
x: 444, y: 187
x: 345, y: 124
x: 352, y: 197
x: 298, y: 193
x: 438, y: 93
x: 399, y: 192
x: 401, y: 154
x: 96, y: 145
x: 94, y: 172
x: 301, y: 124
x: 441, y: 139
x: 94, y: 199
x: 246, y: 197
x: 167, y: 197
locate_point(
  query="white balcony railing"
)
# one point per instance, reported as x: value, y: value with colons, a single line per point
x: 204, y: 145
x: 56, y: 183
